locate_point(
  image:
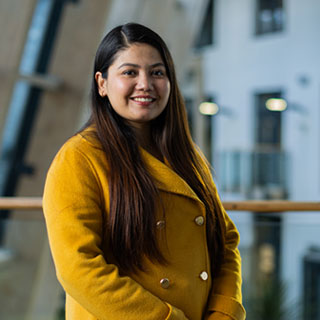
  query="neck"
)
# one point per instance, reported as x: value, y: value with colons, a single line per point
x: 143, y: 134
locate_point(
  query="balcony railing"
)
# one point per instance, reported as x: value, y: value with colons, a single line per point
x: 257, y: 173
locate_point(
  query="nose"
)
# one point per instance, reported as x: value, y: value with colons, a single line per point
x: 144, y: 82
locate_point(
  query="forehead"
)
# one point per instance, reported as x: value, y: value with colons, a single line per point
x: 138, y: 53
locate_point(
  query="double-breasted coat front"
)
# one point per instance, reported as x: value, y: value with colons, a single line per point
x: 76, y: 202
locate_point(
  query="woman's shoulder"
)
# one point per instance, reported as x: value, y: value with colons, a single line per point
x: 84, y: 146
x: 84, y: 141
x: 76, y: 167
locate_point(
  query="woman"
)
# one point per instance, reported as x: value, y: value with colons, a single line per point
x: 136, y: 227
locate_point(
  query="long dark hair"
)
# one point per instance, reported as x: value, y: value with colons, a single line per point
x: 134, y: 197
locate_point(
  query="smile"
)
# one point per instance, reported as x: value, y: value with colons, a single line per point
x: 143, y: 99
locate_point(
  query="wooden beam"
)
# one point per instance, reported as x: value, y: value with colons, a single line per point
x: 19, y: 203
x: 271, y: 206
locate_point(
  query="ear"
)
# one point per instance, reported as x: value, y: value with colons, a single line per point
x: 102, y: 84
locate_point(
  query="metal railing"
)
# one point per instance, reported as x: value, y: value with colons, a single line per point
x: 35, y: 203
x: 246, y: 171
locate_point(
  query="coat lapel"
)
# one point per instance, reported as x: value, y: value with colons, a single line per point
x: 167, y: 179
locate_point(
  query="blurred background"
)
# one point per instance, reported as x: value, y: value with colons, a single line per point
x: 249, y: 71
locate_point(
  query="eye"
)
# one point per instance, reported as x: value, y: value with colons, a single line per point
x: 158, y: 73
x: 129, y: 72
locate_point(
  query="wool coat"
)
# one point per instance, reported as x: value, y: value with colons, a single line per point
x: 75, y: 199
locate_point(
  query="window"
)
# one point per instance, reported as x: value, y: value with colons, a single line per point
x: 268, y: 159
x: 268, y: 123
x: 205, y: 36
x: 269, y: 16
x: 311, y: 284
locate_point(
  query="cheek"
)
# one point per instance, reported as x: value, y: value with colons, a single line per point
x: 166, y: 89
x: 120, y: 87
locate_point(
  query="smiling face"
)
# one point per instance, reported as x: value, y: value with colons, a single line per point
x: 137, y: 84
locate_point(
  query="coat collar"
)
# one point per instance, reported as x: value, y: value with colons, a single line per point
x: 167, y: 179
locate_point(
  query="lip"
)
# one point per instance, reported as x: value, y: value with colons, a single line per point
x: 143, y: 97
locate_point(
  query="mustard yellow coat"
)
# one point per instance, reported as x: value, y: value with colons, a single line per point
x: 76, y: 194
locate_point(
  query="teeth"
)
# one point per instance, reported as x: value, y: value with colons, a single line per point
x: 143, y: 99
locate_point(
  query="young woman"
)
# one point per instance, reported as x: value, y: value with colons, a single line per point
x: 136, y: 227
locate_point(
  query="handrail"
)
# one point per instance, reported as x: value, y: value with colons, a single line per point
x: 271, y: 206
x: 20, y: 203
x: 35, y: 203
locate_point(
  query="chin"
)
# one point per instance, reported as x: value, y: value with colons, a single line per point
x: 143, y: 118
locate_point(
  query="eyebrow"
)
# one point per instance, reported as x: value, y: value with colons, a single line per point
x: 158, y: 64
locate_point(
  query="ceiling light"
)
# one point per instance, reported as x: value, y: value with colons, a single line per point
x: 276, y: 104
x: 208, y: 108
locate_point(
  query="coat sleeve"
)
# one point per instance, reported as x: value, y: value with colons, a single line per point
x: 225, y: 300
x: 72, y: 207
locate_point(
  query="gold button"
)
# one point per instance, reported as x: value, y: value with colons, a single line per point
x: 165, y: 283
x: 199, y: 220
x: 160, y: 224
x: 204, y: 276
